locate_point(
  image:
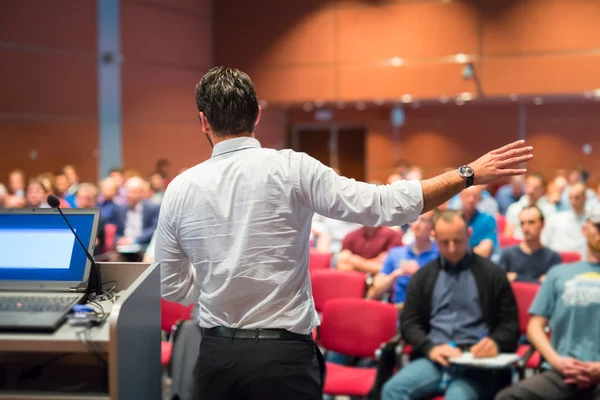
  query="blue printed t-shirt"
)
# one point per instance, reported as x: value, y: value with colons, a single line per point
x: 570, y: 298
x: 396, y: 256
x: 484, y: 227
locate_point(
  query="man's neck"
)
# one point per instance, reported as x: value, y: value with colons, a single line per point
x: 579, y: 211
x: 533, y: 202
x: 421, y: 245
x: 593, y: 256
x: 531, y: 246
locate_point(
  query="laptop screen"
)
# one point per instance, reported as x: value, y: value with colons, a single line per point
x: 39, y: 246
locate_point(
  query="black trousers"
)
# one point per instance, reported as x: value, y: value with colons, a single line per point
x: 263, y: 369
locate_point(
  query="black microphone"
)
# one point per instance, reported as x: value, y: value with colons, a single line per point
x: 95, y: 280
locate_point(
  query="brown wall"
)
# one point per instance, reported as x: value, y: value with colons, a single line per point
x: 48, y: 85
x: 167, y: 46
x: 340, y: 49
x: 438, y: 137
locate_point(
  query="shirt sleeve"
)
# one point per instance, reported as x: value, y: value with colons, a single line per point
x: 545, y: 300
x: 177, y: 275
x: 389, y: 264
x: 320, y: 189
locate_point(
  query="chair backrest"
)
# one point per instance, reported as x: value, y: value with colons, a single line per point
x: 357, y: 327
x: 110, y: 231
x: 501, y: 224
x: 569, y: 257
x: 318, y: 260
x: 171, y: 313
x: 524, y: 294
x: 507, y: 242
x: 328, y: 284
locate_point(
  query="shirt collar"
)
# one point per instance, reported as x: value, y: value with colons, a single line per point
x: 235, y: 144
x: 464, y: 263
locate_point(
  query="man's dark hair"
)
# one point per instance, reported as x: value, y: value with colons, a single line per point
x: 227, y: 98
x: 539, y: 210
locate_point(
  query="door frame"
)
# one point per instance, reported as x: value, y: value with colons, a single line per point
x: 334, y: 129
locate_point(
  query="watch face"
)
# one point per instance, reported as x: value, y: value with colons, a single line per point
x: 466, y: 171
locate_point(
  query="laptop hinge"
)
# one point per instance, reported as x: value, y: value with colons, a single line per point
x: 74, y: 289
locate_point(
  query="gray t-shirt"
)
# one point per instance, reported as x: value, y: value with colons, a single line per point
x: 570, y: 299
x: 529, y: 267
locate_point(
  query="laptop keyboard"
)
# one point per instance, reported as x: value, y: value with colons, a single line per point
x: 36, y: 303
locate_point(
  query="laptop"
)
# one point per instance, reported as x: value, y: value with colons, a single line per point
x: 43, y: 269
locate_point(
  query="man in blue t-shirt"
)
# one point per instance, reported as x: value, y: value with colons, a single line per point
x: 484, y: 235
x: 402, y: 262
x: 569, y: 303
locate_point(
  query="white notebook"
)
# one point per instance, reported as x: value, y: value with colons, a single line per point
x: 502, y: 360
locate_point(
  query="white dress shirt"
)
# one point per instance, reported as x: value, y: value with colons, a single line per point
x: 233, y: 232
x: 563, y: 232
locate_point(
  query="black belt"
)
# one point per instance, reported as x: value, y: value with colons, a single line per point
x: 254, y: 334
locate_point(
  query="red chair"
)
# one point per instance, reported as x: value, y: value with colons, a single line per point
x: 525, y: 293
x: 318, y: 260
x: 355, y: 327
x: 508, y: 242
x: 170, y: 314
x: 110, y: 231
x: 501, y: 224
x: 328, y: 284
x: 570, y: 257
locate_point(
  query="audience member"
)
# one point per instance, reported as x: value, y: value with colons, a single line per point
x: 403, y: 261
x: 365, y: 248
x: 16, y: 183
x: 484, y: 233
x: 15, y: 202
x: 393, y: 178
x: 459, y: 302
x: 414, y: 173
x: 577, y: 176
x: 118, y: 177
x: 86, y: 197
x: 163, y: 167
x: 568, y: 302
x: 510, y: 193
x: 564, y: 230
x: 402, y: 166
x: 535, y: 185
x: 108, y: 208
x: 49, y: 183
x: 73, y: 178
x: 62, y: 186
x: 486, y: 204
x: 530, y: 260
x: 137, y: 222
x: 157, y: 187
x: 36, y: 194
x: 329, y: 233
x: 3, y: 195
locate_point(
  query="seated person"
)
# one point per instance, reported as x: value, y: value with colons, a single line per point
x: 365, y: 248
x: 459, y: 302
x: 510, y: 193
x: 484, y: 236
x: 569, y: 303
x: 530, y: 260
x: 402, y: 262
x: 328, y: 233
x: 36, y: 194
x: 86, y: 197
x: 535, y: 187
x: 564, y: 230
x: 487, y: 204
x: 137, y: 221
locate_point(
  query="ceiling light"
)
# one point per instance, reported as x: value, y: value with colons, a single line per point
x: 396, y: 61
x: 406, y: 98
x: 461, y: 58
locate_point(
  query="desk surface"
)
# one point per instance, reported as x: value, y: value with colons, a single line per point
x: 67, y: 338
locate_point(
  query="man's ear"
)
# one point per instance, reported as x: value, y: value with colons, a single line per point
x: 258, y: 116
x: 205, y: 124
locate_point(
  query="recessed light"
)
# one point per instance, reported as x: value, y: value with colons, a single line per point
x: 461, y: 58
x: 396, y: 61
x: 406, y: 98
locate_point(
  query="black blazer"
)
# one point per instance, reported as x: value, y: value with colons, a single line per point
x: 497, y: 300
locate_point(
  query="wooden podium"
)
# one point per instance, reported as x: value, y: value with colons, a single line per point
x: 119, y: 359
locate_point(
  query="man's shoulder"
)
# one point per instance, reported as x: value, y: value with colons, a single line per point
x: 486, y: 265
